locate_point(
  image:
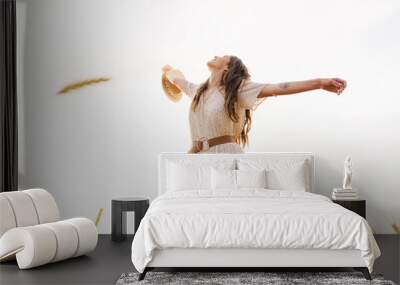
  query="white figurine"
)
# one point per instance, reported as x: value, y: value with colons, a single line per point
x: 347, y: 173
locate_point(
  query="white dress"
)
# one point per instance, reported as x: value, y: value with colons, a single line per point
x: 211, y: 120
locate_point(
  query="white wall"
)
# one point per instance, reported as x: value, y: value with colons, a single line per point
x: 103, y: 141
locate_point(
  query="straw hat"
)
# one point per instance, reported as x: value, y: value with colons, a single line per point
x: 170, y: 89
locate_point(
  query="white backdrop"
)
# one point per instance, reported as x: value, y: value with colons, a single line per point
x: 102, y: 141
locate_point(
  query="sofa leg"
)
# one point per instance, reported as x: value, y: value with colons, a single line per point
x: 143, y: 274
x: 364, y: 271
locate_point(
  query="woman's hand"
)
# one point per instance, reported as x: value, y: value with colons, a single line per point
x: 166, y: 68
x: 335, y: 85
x: 172, y: 74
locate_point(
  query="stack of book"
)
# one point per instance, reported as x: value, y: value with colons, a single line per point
x: 344, y: 194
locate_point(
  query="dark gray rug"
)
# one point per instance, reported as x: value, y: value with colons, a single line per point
x: 243, y: 278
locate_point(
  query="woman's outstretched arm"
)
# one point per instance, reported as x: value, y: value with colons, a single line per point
x: 335, y: 85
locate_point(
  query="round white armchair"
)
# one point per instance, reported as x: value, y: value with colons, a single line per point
x: 31, y: 230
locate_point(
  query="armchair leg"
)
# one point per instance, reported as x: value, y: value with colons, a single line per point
x: 364, y: 271
x: 143, y: 274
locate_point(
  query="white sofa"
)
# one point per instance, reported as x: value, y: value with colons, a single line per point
x: 31, y: 230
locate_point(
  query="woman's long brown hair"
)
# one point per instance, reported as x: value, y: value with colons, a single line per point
x: 231, y: 80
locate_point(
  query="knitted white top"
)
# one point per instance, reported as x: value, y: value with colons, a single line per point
x: 211, y: 120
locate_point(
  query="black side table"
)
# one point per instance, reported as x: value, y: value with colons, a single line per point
x: 357, y: 206
x: 119, y: 207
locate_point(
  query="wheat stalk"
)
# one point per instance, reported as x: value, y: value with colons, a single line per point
x: 396, y: 228
x: 80, y: 84
x: 98, y: 217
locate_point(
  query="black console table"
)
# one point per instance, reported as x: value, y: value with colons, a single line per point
x: 119, y: 207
